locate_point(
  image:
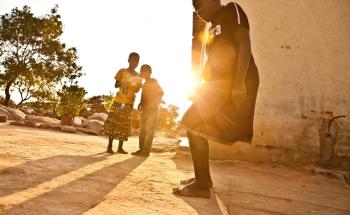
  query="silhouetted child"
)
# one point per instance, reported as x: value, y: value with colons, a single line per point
x: 151, y: 97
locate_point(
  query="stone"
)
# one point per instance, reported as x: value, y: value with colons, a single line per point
x: 95, y: 125
x: 3, y: 118
x: 78, y: 121
x: 18, y: 123
x: 69, y: 129
x: 14, y: 114
x: 32, y: 124
x: 4, y: 112
x: 99, y: 116
x: 42, y: 119
x: 50, y: 126
x: 45, y: 125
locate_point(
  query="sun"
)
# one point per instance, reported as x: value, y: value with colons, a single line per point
x: 180, y: 91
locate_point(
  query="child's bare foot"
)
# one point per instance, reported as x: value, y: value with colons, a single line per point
x: 192, y: 190
x: 121, y: 151
x: 110, y: 151
x: 191, y: 180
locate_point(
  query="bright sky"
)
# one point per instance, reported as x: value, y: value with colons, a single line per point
x: 106, y: 31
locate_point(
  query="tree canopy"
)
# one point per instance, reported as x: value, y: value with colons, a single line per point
x: 33, y: 59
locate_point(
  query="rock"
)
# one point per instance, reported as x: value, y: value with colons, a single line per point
x: 78, y: 121
x: 32, y: 124
x: 99, y: 116
x: 12, y: 113
x: 88, y: 131
x: 42, y: 119
x: 45, y: 125
x: 3, y: 118
x: 27, y: 110
x: 50, y: 126
x: 84, y: 122
x: 18, y: 123
x: 4, y: 112
x: 69, y: 129
x: 95, y: 125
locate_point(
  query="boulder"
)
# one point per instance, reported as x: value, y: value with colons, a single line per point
x: 18, y: 123
x: 84, y: 122
x: 69, y: 129
x: 50, y: 126
x: 3, y: 118
x: 12, y: 113
x: 95, y: 125
x: 99, y: 116
x: 31, y: 124
x: 78, y: 121
x: 42, y: 119
x: 4, y: 112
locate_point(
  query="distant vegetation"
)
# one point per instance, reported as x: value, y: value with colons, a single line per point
x: 43, y: 71
x: 34, y: 62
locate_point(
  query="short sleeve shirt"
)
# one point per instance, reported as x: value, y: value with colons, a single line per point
x: 130, y: 84
x: 151, y: 94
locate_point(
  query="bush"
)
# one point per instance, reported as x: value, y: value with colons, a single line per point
x: 71, y: 101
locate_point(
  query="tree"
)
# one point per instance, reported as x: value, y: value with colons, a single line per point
x: 33, y: 59
x: 167, y: 117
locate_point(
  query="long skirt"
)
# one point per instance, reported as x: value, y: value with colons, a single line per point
x: 214, y: 116
x: 118, y: 123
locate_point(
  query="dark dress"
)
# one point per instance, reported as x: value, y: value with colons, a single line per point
x: 213, y: 114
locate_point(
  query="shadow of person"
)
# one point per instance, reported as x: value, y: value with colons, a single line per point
x: 32, y: 173
x: 79, y: 196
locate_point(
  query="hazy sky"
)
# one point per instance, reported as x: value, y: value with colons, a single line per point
x: 106, y: 31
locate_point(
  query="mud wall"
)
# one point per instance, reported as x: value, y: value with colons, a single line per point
x: 302, y: 49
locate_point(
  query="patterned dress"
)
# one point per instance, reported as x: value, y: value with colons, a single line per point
x: 118, y: 123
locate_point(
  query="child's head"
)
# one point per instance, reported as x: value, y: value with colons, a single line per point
x: 133, y: 60
x: 146, y: 71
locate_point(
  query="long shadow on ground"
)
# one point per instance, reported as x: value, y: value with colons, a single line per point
x: 80, y: 195
x: 32, y: 173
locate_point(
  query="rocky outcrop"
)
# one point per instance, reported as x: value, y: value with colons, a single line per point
x: 31, y: 124
x: 50, y: 126
x: 4, y: 112
x: 92, y: 125
x: 3, y: 118
x: 18, y: 123
x: 78, y: 121
x: 12, y: 113
x: 95, y: 125
x: 42, y: 119
x: 69, y: 129
x: 102, y: 117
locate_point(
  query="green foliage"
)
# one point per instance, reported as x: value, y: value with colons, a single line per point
x: 101, y: 103
x: 167, y: 118
x: 33, y: 59
x: 108, y: 101
x: 71, y: 101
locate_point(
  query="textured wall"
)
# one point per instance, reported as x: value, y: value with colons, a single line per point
x: 302, y: 49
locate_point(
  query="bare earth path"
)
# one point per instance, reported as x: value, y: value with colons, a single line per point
x: 49, y: 172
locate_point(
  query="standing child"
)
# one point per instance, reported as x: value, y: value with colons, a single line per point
x: 118, y: 123
x: 151, y: 97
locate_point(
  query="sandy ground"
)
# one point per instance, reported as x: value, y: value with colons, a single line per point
x: 49, y: 172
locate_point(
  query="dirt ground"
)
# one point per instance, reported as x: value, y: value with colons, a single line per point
x: 50, y: 172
